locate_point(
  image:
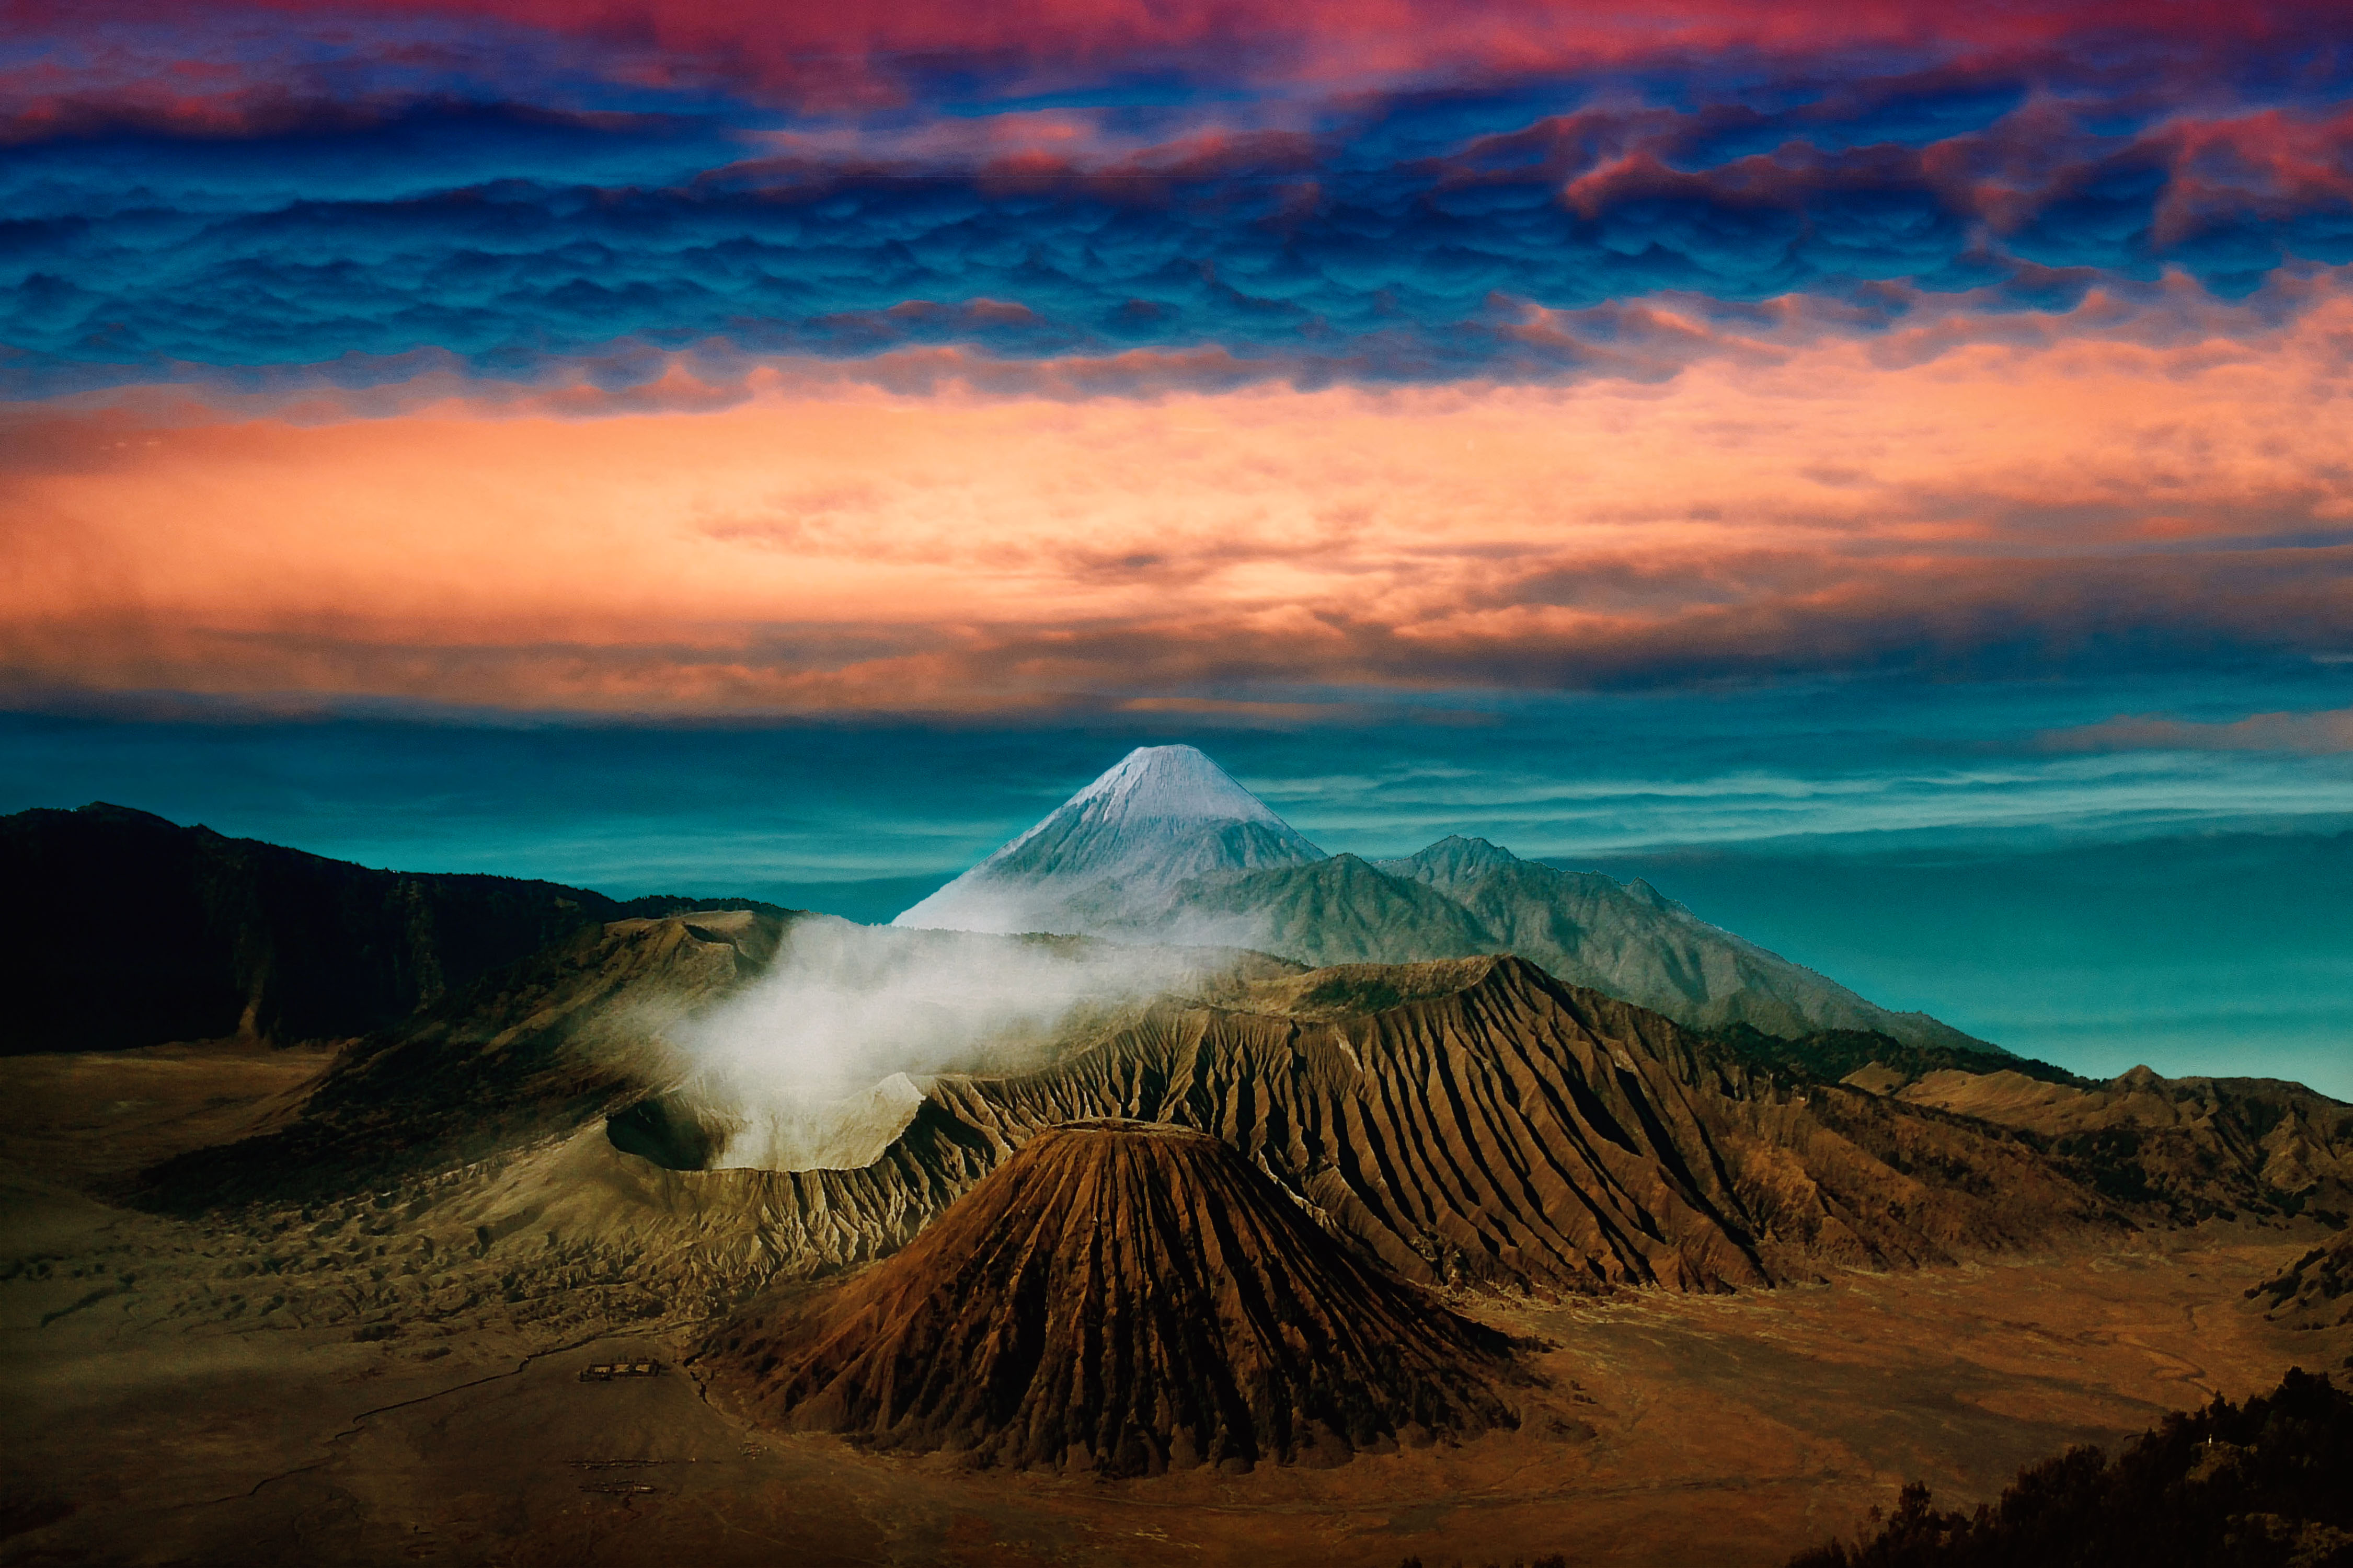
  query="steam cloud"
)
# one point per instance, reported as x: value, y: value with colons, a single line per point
x: 821, y: 1062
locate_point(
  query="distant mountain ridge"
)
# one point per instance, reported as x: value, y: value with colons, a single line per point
x: 122, y: 928
x: 1633, y: 942
x: 236, y: 938
x: 1165, y: 847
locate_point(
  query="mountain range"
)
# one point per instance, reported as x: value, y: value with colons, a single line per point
x: 1225, y: 1209
x: 241, y: 938
x: 1103, y: 1195
x: 1477, y: 1116
x: 1165, y: 847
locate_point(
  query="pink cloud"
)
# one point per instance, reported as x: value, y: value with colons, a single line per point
x: 830, y: 50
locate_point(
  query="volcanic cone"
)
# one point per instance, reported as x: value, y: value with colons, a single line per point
x: 1123, y: 1296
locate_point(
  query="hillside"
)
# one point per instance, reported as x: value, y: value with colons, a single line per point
x: 1480, y: 1122
x: 124, y: 929
x: 1475, y: 1123
x: 1126, y: 1298
x: 1633, y: 941
x: 2201, y: 1146
x: 555, y: 1041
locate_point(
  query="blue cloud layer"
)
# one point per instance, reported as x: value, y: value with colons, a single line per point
x: 1404, y: 236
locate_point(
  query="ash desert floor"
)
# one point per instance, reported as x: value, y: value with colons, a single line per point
x: 171, y: 1399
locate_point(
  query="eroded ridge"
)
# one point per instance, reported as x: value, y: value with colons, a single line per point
x: 1480, y: 1122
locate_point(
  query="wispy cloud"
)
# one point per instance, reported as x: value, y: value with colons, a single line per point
x: 2321, y: 733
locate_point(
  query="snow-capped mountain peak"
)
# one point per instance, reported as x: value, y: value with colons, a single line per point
x: 1151, y: 786
x: 1163, y: 816
x: 1178, y: 783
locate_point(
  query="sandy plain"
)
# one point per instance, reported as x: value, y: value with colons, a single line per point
x: 216, y: 1392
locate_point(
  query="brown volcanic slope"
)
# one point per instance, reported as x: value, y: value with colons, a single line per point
x: 1473, y: 1121
x: 2313, y: 1291
x: 529, y: 1109
x: 534, y: 1049
x: 2199, y: 1146
x: 1123, y: 1296
x: 1479, y: 1123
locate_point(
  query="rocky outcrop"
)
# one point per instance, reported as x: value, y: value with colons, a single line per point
x: 1121, y: 1297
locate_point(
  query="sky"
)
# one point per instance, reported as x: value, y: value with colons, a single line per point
x: 1880, y: 469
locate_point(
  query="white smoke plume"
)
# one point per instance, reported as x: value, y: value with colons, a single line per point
x: 822, y: 1061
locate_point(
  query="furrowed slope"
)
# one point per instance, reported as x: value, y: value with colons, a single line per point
x: 1481, y: 1122
x: 1124, y: 1298
x: 1472, y: 1122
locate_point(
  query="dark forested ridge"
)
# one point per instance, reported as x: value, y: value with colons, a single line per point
x: 1834, y: 1054
x: 121, y: 929
x: 2258, y: 1485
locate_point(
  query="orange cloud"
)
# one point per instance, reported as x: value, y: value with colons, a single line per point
x: 819, y: 547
